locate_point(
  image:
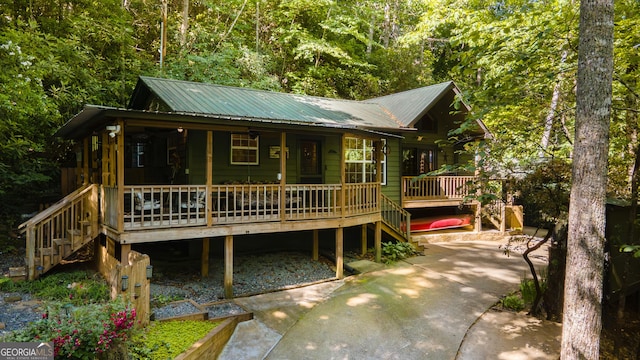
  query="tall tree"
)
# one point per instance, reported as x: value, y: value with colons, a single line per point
x: 585, y: 250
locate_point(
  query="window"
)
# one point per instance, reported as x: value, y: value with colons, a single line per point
x: 244, y: 149
x: 416, y: 161
x: 360, y: 161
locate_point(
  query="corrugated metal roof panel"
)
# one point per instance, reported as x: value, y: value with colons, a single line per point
x: 202, y: 98
x: 410, y: 105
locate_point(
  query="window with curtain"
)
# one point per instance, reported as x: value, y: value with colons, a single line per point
x: 244, y: 149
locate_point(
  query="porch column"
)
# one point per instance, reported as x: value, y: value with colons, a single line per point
x: 378, y: 241
x: 204, y: 258
x: 85, y: 161
x: 283, y: 174
x: 343, y: 169
x: 339, y: 253
x: 119, y: 168
x: 478, y: 220
x: 363, y: 240
x: 209, y: 176
x: 228, y: 267
x: 315, y: 250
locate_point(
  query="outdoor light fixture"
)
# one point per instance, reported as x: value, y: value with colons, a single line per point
x: 137, y: 290
x: 113, y: 130
x: 180, y: 129
x: 125, y: 282
x: 149, y: 271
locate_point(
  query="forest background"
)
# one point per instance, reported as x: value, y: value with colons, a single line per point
x: 515, y: 61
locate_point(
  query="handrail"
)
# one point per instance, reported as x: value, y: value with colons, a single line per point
x: 436, y: 187
x: 61, y: 229
x: 59, y: 204
x: 394, y: 216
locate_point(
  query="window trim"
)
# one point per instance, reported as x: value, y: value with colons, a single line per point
x: 255, y: 148
x: 363, y: 162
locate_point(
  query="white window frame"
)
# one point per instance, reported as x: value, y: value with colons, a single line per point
x: 245, y: 147
x: 364, y: 157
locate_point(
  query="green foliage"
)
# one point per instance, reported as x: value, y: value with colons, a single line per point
x: 394, y: 251
x: 161, y: 300
x: 634, y: 249
x: 512, y: 302
x: 81, y: 332
x: 528, y: 289
x: 77, y: 288
x: 159, y: 340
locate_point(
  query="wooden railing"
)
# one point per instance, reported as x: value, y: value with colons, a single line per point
x: 436, y: 187
x: 166, y: 206
x: 394, y: 216
x: 60, y: 230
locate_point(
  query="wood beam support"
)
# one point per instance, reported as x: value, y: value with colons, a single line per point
x: 339, y: 253
x: 204, y: 258
x: 378, y: 241
x: 125, y: 249
x: 283, y: 174
x: 209, y: 175
x: 228, y: 267
x: 363, y: 240
x: 316, y: 248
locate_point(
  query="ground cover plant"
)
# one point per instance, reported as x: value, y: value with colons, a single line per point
x: 159, y: 340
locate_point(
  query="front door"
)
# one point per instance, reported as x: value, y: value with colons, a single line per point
x: 310, y: 162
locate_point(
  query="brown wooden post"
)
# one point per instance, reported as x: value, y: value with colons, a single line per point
x: 125, y: 249
x: 209, y: 170
x: 228, y: 267
x: 283, y: 174
x: 363, y: 240
x: 478, y: 220
x: 315, y: 251
x: 343, y: 167
x: 378, y: 241
x: 204, y: 268
x: 119, y: 164
x: 339, y: 253
x: 85, y: 160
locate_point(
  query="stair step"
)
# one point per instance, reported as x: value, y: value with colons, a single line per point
x: 61, y: 242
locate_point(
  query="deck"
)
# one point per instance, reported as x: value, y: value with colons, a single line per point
x: 435, y: 191
x: 172, y: 212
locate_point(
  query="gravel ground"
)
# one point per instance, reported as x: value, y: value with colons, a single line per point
x: 253, y: 274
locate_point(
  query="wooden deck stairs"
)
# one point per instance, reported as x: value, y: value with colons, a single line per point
x: 396, y: 221
x: 59, y: 231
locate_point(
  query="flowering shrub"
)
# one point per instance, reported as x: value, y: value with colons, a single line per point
x: 83, y: 332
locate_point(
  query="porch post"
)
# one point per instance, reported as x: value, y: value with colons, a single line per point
x: 363, y: 240
x: 315, y: 249
x: 228, y: 267
x: 283, y: 174
x: 85, y: 161
x: 209, y: 176
x: 343, y: 169
x: 339, y: 253
x: 119, y: 159
x: 378, y: 241
x: 204, y: 258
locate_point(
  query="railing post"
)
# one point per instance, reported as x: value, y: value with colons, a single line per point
x: 31, y: 253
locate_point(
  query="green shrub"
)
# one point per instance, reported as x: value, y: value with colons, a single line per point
x: 392, y: 252
x: 512, y: 302
x: 528, y: 288
x: 81, y: 332
x: 159, y: 340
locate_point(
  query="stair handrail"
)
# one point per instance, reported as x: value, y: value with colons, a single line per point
x: 396, y: 217
x: 32, y: 226
x: 68, y: 199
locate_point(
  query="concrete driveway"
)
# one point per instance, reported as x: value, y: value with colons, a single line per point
x: 428, y: 307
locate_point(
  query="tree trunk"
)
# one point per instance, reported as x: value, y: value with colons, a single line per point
x: 185, y: 22
x: 548, y: 122
x: 553, y: 299
x: 582, y: 321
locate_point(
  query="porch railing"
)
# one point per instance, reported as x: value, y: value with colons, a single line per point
x: 436, y: 187
x: 395, y: 217
x: 166, y: 206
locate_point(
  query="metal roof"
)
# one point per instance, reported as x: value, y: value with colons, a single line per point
x: 409, y: 106
x: 203, y: 98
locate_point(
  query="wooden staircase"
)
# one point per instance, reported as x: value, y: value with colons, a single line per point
x: 60, y: 230
x: 396, y: 221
